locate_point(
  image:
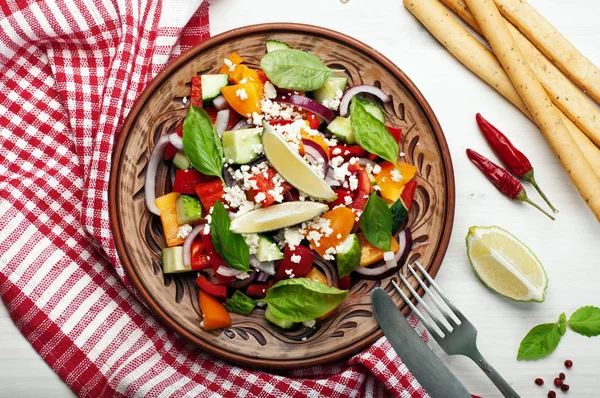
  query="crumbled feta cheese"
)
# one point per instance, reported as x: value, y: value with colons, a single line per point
x: 396, y: 176
x: 315, y: 237
x: 331, y: 141
x: 376, y: 187
x: 252, y: 242
x: 257, y: 119
x: 270, y: 90
x: 304, y: 338
x: 337, y: 161
x: 336, y: 151
x: 243, y: 275
x: 388, y: 256
x: 376, y: 169
x: 259, y: 197
x: 241, y: 94
x: 339, y: 236
x: 206, y: 229
x: 296, y: 258
x: 309, y: 324
x: 348, y: 200
x: 290, y: 273
x: 243, y: 81
x: 229, y: 64
x: 184, y: 230
x: 401, y: 154
x: 257, y: 148
x: 353, y: 182
x: 293, y: 237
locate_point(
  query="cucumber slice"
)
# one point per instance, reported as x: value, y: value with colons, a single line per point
x: 267, y: 250
x: 399, y: 214
x: 188, y: 209
x: 273, y: 45
x: 328, y: 92
x: 372, y: 108
x: 211, y: 85
x: 181, y: 161
x: 172, y: 260
x: 349, y: 258
x: 342, y: 129
x: 242, y: 146
x: 282, y: 323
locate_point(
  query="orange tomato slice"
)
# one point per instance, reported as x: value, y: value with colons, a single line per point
x: 251, y: 101
x: 341, y: 221
x: 391, y: 190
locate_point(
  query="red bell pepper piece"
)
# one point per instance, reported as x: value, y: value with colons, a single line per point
x: 209, y: 192
x: 211, y: 288
x: 186, y: 181
x: 348, y: 151
x: 342, y: 194
x: 200, y: 259
x: 266, y: 184
x: 212, y: 113
x: 170, y: 150
x: 344, y: 283
x: 364, y: 187
x: 216, y: 261
x: 196, y: 92
x: 300, y: 269
x: 258, y: 290
x: 396, y: 132
x: 313, y: 121
x: 372, y: 156
x: 261, y: 75
x: 408, y: 193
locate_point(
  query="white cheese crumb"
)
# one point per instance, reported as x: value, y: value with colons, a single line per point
x: 388, y: 256
x: 257, y: 148
x: 336, y: 151
x: 376, y: 169
x: 206, y: 229
x: 184, y: 100
x: 396, y: 176
x: 290, y: 273
x: 257, y: 119
x: 229, y: 64
x: 353, y: 182
x: 296, y: 258
x: 184, y: 231
x: 270, y: 90
x: 259, y: 197
x: 348, y: 200
x: 241, y: 94
x: 309, y: 324
x: 401, y: 154
x: 243, y: 275
x: 243, y: 81
x: 252, y: 242
x: 339, y: 236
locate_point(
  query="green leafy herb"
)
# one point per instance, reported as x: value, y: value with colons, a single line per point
x: 301, y: 299
x: 240, y: 304
x: 202, y: 144
x: 295, y: 69
x: 376, y: 222
x: 231, y: 246
x: 562, y: 323
x: 539, y: 342
x: 370, y: 133
x: 586, y: 321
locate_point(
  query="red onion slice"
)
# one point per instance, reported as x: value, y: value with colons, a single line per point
x: 262, y: 277
x: 267, y: 267
x: 240, y: 283
x: 222, y: 121
x: 176, y: 141
x: 220, y: 103
x: 327, y: 268
x: 365, y: 161
x: 228, y: 271
x: 187, y: 245
x: 405, y: 243
x: 242, y: 124
x: 375, y: 271
x: 317, y: 153
x: 309, y: 104
x: 363, y: 88
x: 150, y: 181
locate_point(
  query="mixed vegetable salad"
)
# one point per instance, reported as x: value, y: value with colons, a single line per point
x: 285, y: 181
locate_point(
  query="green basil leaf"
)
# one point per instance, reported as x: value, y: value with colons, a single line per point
x: 562, y: 323
x: 586, y: 321
x: 370, y: 133
x: 240, y: 304
x: 376, y: 222
x: 295, y: 70
x: 539, y: 342
x: 201, y: 143
x: 231, y: 246
x: 301, y: 299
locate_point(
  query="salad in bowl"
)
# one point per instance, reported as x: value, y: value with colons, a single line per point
x: 285, y: 183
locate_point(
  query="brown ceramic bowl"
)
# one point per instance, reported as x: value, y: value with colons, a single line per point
x: 251, y: 340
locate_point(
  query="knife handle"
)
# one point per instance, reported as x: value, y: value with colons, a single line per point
x: 494, y: 376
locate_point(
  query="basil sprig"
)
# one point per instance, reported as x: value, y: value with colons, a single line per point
x: 231, y: 246
x: 376, y: 222
x: 202, y: 144
x: 543, y: 339
x: 301, y: 299
x: 371, y: 133
x: 295, y: 70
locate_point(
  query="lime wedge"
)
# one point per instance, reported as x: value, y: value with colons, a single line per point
x: 276, y: 216
x: 505, y: 265
x: 292, y: 167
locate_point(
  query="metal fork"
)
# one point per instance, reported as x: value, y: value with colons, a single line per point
x: 461, y: 337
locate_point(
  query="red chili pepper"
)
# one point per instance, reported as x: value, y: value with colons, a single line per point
x: 513, y: 159
x: 502, y: 179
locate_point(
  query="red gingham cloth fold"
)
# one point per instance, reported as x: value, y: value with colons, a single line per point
x: 69, y: 72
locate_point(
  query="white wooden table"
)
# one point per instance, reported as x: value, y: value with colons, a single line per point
x: 568, y: 247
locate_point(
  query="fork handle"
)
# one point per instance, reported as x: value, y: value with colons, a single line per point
x: 494, y: 376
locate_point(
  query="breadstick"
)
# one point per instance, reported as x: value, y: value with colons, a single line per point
x: 531, y: 91
x: 555, y: 46
x: 561, y: 91
x: 484, y: 64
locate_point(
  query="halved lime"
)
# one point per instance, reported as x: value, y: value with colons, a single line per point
x: 505, y: 265
x: 292, y: 167
x: 276, y: 216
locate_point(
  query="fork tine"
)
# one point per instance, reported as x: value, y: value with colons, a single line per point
x: 433, y: 316
x: 432, y: 331
x: 439, y: 306
x: 456, y: 311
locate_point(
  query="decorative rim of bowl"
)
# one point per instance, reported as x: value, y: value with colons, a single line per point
x: 235, y: 358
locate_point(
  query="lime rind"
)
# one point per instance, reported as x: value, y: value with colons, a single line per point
x: 472, y: 235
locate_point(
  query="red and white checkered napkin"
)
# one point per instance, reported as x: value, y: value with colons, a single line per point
x: 69, y: 72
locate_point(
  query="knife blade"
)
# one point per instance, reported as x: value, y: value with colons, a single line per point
x: 427, y: 368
